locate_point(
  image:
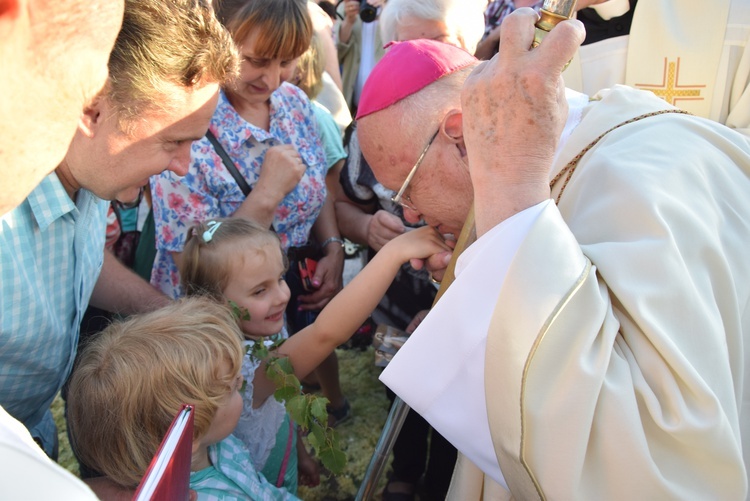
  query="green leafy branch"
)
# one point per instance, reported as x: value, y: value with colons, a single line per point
x: 308, y: 411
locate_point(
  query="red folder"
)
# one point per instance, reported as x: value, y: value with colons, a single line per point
x: 168, y: 475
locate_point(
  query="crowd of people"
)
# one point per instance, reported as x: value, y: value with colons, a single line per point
x: 588, y: 341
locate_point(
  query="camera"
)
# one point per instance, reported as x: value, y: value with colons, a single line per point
x: 367, y: 13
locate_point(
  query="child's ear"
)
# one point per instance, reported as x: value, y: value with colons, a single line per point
x: 195, y: 446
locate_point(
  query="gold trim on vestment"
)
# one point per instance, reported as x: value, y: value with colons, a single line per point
x: 543, y: 332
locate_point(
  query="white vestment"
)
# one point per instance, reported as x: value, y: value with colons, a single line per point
x: 692, y: 54
x: 614, y: 360
x: 27, y: 473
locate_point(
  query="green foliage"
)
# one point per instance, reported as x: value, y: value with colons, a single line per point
x: 308, y: 411
x: 240, y: 312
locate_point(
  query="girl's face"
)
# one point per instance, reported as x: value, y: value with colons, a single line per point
x: 257, y: 284
x: 227, y: 414
x: 260, y: 76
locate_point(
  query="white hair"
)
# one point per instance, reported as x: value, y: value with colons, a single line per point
x: 463, y: 18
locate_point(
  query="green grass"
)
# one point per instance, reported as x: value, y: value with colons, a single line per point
x: 359, y: 381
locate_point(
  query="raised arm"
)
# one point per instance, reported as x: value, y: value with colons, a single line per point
x: 521, y: 89
x: 346, y: 312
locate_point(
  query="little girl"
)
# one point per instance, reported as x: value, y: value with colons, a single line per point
x: 237, y: 260
x: 133, y: 378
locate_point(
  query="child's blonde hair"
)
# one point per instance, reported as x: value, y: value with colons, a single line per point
x: 206, y: 266
x: 310, y: 67
x: 133, y: 378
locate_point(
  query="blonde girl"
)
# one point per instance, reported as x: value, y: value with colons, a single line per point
x: 240, y: 261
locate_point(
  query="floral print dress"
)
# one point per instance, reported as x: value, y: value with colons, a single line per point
x: 209, y: 191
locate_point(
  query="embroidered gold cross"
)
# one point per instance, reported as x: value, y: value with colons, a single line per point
x: 670, y: 89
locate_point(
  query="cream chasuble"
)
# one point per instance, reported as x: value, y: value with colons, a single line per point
x: 691, y: 54
x: 614, y: 361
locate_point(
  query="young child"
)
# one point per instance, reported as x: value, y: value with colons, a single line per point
x: 134, y: 377
x: 237, y: 260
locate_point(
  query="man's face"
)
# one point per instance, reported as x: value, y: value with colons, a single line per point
x: 117, y: 159
x: 440, y: 191
x: 58, y: 64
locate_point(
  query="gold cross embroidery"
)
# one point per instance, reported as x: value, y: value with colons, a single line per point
x: 670, y: 89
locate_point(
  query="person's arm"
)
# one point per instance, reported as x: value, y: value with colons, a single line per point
x: 346, y: 312
x: 359, y: 218
x: 329, y: 272
x: 120, y: 290
x: 328, y: 276
x: 531, y: 103
x: 309, y: 470
x: 351, y: 11
x: 323, y: 27
x: 340, y: 319
x: 373, y: 230
x: 363, y: 223
x: 354, y: 219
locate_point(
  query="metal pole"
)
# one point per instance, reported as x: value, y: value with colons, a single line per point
x: 383, y: 448
x: 400, y: 409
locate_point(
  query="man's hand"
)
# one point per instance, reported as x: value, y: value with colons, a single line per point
x: 382, y: 228
x: 514, y: 110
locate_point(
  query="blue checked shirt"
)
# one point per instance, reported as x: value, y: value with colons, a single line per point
x: 51, y: 252
x: 232, y: 476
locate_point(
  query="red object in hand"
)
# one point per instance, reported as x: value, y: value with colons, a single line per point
x: 307, y: 268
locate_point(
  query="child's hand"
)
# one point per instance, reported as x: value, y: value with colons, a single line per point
x: 419, y: 243
x: 308, y: 470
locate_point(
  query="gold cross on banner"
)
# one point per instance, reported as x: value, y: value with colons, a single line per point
x: 670, y: 88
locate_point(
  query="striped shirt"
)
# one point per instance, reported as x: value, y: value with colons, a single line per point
x: 232, y: 476
x: 51, y: 252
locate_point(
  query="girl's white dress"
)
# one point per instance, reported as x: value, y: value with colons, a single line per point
x: 257, y: 428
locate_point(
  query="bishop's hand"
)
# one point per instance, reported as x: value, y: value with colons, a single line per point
x: 514, y: 110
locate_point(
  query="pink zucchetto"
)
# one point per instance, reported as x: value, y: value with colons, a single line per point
x: 406, y: 68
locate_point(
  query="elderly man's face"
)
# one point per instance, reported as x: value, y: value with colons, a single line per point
x: 114, y: 161
x: 440, y: 191
x: 56, y: 62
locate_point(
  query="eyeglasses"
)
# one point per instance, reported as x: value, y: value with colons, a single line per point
x: 399, y: 197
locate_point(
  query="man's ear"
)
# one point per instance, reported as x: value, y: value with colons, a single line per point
x: 452, y: 126
x: 91, y: 117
